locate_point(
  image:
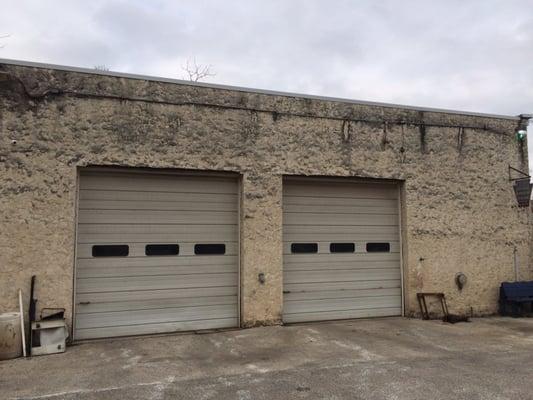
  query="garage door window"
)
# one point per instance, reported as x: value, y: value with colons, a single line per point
x: 162, y: 249
x: 378, y: 247
x: 304, y: 248
x: 210, y: 249
x: 342, y: 247
x: 111, y: 250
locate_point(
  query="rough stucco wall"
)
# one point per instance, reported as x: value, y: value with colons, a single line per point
x: 261, y: 249
x: 459, y: 212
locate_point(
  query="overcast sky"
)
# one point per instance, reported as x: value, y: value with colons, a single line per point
x: 460, y: 54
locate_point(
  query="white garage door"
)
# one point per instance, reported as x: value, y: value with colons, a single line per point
x: 341, y: 250
x: 155, y: 253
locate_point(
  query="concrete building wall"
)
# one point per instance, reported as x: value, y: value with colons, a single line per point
x: 459, y: 212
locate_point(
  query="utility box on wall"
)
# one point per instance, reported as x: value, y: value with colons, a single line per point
x: 522, y: 190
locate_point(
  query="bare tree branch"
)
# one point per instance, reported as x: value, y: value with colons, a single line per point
x: 196, y: 72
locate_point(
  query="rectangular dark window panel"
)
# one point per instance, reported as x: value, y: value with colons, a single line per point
x: 162, y: 249
x: 342, y: 247
x: 209, y: 249
x: 111, y: 250
x: 304, y: 248
x: 378, y: 247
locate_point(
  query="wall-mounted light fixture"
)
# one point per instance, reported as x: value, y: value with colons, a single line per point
x: 521, y: 135
x: 521, y: 129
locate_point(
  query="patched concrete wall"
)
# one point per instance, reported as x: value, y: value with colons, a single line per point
x: 459, y: 209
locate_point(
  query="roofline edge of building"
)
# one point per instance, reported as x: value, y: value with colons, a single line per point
x: 128, y: 75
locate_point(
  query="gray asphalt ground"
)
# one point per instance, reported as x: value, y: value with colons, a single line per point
x: 391, y: 358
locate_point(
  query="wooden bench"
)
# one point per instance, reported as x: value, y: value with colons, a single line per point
x: 423, y: 305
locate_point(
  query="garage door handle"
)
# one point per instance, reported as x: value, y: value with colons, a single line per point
x: 84, y: 303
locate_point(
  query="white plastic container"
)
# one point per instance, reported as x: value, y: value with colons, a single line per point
x: 10, y: 336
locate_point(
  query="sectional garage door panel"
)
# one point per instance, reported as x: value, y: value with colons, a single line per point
x: 142, y: 292
x: 155, y: 328
x: 139, y: 233
x: 341, y: 250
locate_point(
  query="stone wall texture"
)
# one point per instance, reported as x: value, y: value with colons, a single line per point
x: 459, y: 211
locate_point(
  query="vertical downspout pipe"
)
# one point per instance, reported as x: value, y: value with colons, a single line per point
x: 515, y: 262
